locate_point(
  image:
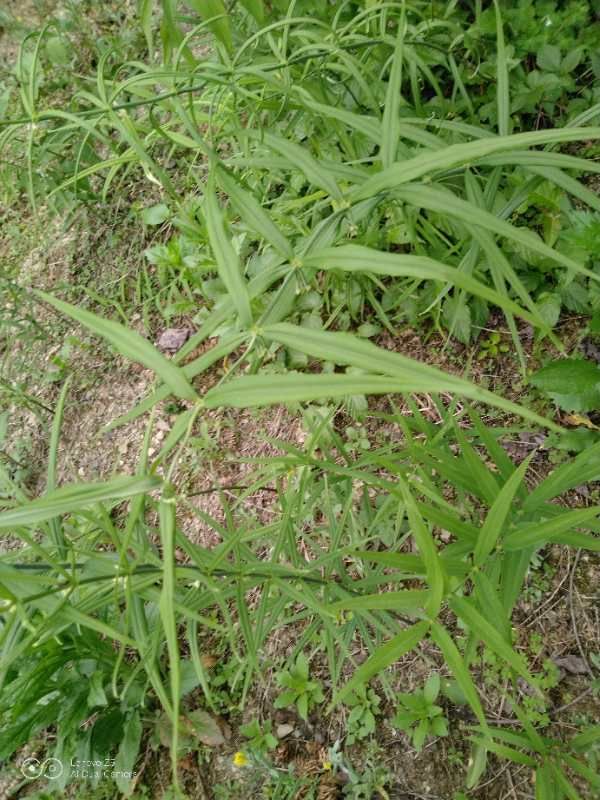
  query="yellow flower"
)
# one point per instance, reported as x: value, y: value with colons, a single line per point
x: 240, y: 759
x: 327, y: 765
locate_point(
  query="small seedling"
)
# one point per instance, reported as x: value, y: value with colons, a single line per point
x: 298, y: 689
x: 261, y: 740
x: 492, y: 347
x: 419, y: 714
x: 361, y: 720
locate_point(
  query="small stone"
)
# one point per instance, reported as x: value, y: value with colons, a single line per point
x: 283, y: 730
x: 573, y: 664
x: 172, y: 339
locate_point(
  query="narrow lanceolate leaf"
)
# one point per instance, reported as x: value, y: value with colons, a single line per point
x: 253, y: 391
x: 74, y: 498
x: 215, y: 11
x: 535, y: 534
x: 456, y: 664
x: 502, y: 86
x: 390, y: 125
x: 369, y: 126
x: 410, y: 600
x: 356, y: 258
x: 584, y: 467
x: 167, y: 612
x: 382, y: 658
x: 456, y: 155
x: 425, y: 543
x: 445, y: 202
x: 300, y: 158
x: 465, y: 611
x: 343, y: 348
x: 228, y: 263
x: 254, y: 215
x: 130, y: 344
x: 256, y: 8
x: 498, y: 513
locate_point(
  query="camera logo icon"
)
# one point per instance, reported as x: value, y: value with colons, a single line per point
x: 33, y: 768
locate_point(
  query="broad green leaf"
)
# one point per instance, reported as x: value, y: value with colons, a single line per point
x: 573, y: 383
x: 130, y: 344
x: 356, y: 258
x: 497, y: 515
x: 486, y: 632
x: 156, y: 215
x: 228, y: 263
x: 74, y: 498
x: 383, y: 656
x: 127, y: 753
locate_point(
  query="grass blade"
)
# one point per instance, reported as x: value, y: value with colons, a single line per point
x: 498, y: 513
x: 385, y: 655
x: 75, y: 498
x: 129, y: 343
x: 390, y: 125
x: 486, y: 632
x: 228, y: 263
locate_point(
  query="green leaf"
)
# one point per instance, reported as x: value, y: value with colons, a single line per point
x: 383, y: 656
x: 73, y: 498
x: 573, y: 383
x: 208, y: 9
x: 156, y: 215
x: 445, y: 202
x: 486, y: 632
x: 130, y: 344
x: 491, y: 530
x: 304, y: 161
x: 96, y: 694
x: 127, y: 754
x: 343, y: 348
x: 391, y: 122
x: 253, y: 214
x: 256, y: 8
x: 558, y: 529
x: 228, y: 263
x: 356, y: 258
x: 456, y: 155
x: 502, y: 87
x: 456, y: 664
x: 57, y: 51
x: 408, y: 600
x: 425, y: 543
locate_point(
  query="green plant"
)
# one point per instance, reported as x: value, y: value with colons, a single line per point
x: 327, y: 177
x: 261, y: 738
x: 419, y: 715
x: 298, y: 689
x: 364, y: 705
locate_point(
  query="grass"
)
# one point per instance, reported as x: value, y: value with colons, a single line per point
x: 302, y: 186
